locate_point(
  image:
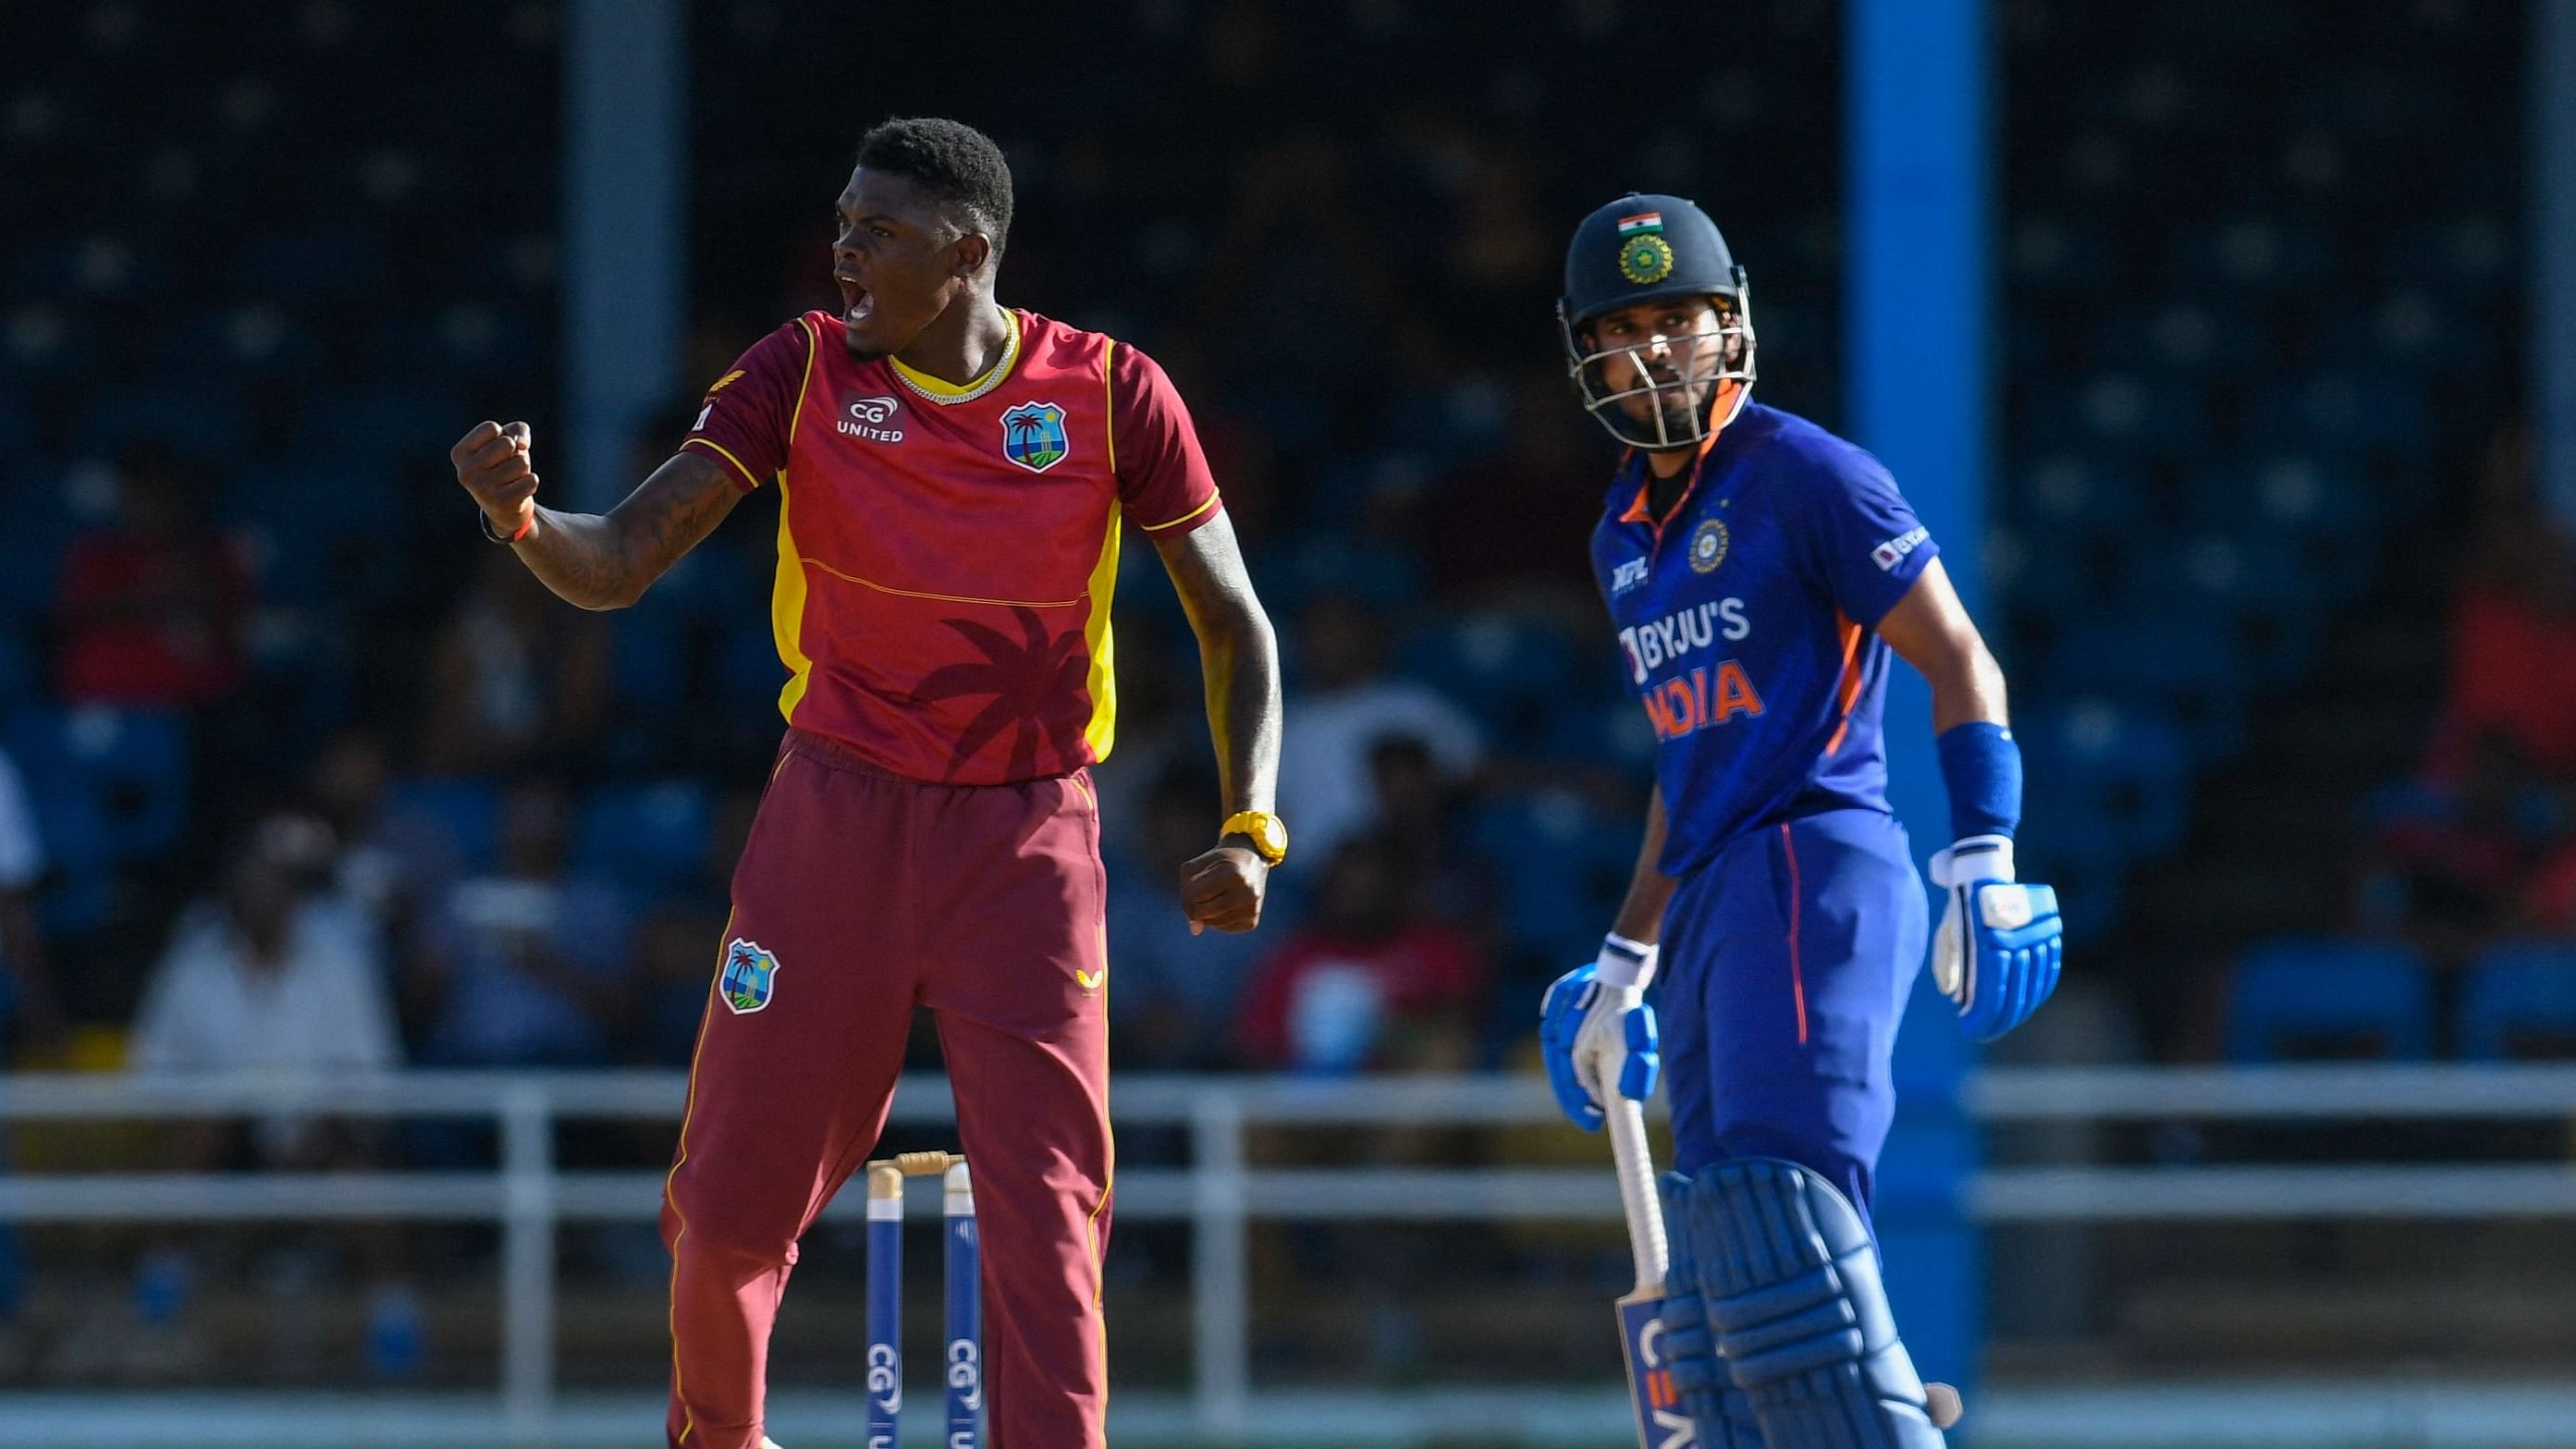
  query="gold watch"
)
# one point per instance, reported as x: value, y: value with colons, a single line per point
x: 1268, y: 834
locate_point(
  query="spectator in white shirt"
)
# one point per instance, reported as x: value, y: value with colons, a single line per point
x: 275, y: 978
x: 267, y: 979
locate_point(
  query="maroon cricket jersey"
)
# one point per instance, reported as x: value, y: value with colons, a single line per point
x: 946, y: 553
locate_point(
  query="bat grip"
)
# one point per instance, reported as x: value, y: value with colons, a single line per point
x: 1636, y: 1162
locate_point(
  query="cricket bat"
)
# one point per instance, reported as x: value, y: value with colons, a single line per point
x: 1661, y: 1423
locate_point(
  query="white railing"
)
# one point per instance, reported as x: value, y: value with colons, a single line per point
x: 1221, y: 1192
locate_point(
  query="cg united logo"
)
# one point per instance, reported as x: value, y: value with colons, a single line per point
x: 1708, y: 547
x: 750, y: 977
x: 873, y: 418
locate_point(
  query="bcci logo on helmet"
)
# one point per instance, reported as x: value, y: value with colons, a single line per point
x: 750, y: 977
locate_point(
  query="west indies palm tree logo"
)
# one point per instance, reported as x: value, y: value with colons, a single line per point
x: 750, y: 976
x: 1033, y: 435
x: 1030, y: 680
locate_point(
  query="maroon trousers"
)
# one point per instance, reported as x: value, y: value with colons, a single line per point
x: 859, y: 896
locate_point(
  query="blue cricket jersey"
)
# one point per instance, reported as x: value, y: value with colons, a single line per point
x: 1748, y: 619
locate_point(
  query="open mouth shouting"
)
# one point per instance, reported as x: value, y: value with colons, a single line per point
x: 857, y: 306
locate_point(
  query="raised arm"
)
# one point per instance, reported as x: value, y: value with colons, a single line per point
x: 1239, y: 655
x: 595, y: 560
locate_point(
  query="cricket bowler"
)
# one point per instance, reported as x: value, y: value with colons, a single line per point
x: 1759, y: 572
x: 953, y: 478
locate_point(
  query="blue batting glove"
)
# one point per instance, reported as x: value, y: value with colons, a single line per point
x: 2001, y: 943
x: 1590, y: 1033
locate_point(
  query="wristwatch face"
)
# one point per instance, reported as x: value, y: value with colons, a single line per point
x: 1268, y: 834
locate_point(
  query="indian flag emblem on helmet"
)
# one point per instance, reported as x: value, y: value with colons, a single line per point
x: 750, y: 977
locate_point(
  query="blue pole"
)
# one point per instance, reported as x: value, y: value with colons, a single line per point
x: 965, y: 1301
x: 2553, y: 253
x: 885, y: 1305
x: 625, y: 257
x: 1915, y: 194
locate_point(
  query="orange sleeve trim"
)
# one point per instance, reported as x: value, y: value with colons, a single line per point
x: 748, y: 481
x: 1212, y: 500
x: 1847, y: 688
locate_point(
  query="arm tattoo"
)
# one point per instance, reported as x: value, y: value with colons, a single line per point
x: 606, y: 561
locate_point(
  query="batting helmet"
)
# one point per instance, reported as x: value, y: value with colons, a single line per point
x: 1651, y: 249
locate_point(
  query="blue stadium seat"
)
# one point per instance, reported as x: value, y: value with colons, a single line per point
x: 1564, y: 868
x: 2129, y: 413
x: 2411, y: 328
x: 2123, y: 770
x: 2302, y: 994
x: 379, y: 424
x: 2264, y: 253
x: 19, y: 681
x: 2185, y: 337
x: 196, y: 418
x: 2183, y: 663
x: 2256, y: 583
x: 2346, y: 412
x: 257, y: 340
x: 1511, y: 672
x: 648, y: 658
x: 2061, y: 254
x: 122, y: 772
x: 645, y: 837
x: 320, y: 265
x: 315, y: 497
x: 2457, y: 256
x: 463, y: 811
x: 2514, y: 993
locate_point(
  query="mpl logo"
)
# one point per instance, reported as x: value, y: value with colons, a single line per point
x: 876, y: 419
x: 1626, y: 576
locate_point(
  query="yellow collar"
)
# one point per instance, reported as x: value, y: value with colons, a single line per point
x: 949, y: 394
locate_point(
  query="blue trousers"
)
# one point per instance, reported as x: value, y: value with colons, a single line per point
x: 1787, y: 961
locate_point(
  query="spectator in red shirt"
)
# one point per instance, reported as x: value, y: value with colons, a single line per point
x: 151, y: 606
x: 2513, y: 649
x: 1370, y: 982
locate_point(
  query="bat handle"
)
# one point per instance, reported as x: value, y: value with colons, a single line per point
x: 1636, y: 1162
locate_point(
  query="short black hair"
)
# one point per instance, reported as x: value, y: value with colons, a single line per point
x: 952, y: 161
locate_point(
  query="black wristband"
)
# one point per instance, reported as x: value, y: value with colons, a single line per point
x: 485, y: 520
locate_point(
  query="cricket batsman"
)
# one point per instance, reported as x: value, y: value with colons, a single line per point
x: 1759, y: 571
x: 953, y: 478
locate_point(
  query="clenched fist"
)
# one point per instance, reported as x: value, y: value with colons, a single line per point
x: 1223, y: 889
x: 492, y: 462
